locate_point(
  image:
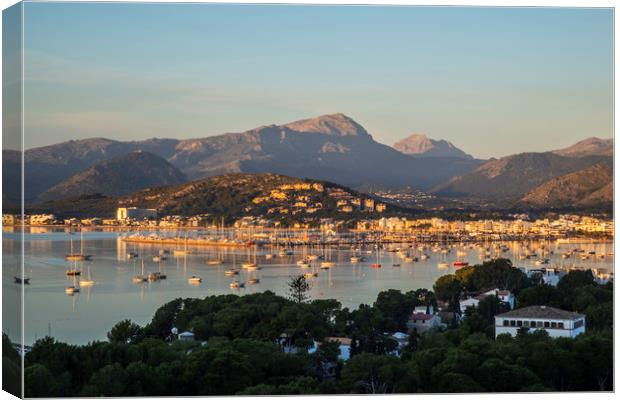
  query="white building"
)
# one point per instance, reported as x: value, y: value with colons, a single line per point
x: 550, y: 276
x: 422, y: 319
x: 557, y: 322
x: 124, y: 213
x: 344, y: 345
x: 505, y: 296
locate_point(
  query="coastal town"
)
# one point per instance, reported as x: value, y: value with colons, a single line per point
x: 564, y: 226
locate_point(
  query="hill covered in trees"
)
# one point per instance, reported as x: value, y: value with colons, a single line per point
x: 230, y: 196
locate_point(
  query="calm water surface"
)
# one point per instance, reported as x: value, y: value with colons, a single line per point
x: 89, y: 314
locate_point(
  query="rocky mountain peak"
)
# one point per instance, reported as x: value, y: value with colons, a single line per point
x: 592, y: 146
x: 331, y: 124
x: 420, y: 145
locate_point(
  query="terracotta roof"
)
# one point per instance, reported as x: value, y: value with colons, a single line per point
x: 541, y: 312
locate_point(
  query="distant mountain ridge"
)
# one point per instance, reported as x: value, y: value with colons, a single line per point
x: 589, y: 147
x: 588, y: 187
x: 420, y: 145
x: 330, y: 147
x: 513, y: 176
x: 118, y: 176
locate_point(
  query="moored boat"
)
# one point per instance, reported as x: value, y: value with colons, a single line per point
x: 24, y: 281
x: 71, y: 290
x: 237, y: 285
x: 461, y: 263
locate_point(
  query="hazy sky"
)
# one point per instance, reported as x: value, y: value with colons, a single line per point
x: 492, y: 81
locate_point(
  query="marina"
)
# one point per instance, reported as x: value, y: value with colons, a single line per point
x: 82, y: 300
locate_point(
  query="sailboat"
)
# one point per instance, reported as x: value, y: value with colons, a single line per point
x: 157, y: 275
x: 194, y: 279
x: 377, y: 264
x: 78, y: 256
x: 73, y: 271
x: 232, y: 271
x: 73, y: 289
x: 250, y: 264
x: 140, y: 278
x: 394, y: 263
x: 327, y: 263
x: 88, y: 281
x: 184, y: 251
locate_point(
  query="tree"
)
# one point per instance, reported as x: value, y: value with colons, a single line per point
x: 575, y: 279
x: 489, y: 307
x: 11, y: 367
x: 125, y: 332
x: 540, y: 295
x: 453, y: 382
x: 496, y: 274
x: 396, y: 308
x: 595, y: 354
x: 412, y: 343
x: 163, y: 321
x: 448, y: 288
x: 372, y: 374
x: 497, y: 376
x: 110, y: 380
x: 39, y: 381
x: 228, y: 373
x: 298, y: 288
x: 600, y: 316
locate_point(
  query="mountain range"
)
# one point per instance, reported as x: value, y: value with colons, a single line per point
x: 331, y: 147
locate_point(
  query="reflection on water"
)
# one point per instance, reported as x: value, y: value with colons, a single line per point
x: 88, y: 314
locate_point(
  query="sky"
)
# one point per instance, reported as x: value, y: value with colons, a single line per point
x: 492, y: 81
